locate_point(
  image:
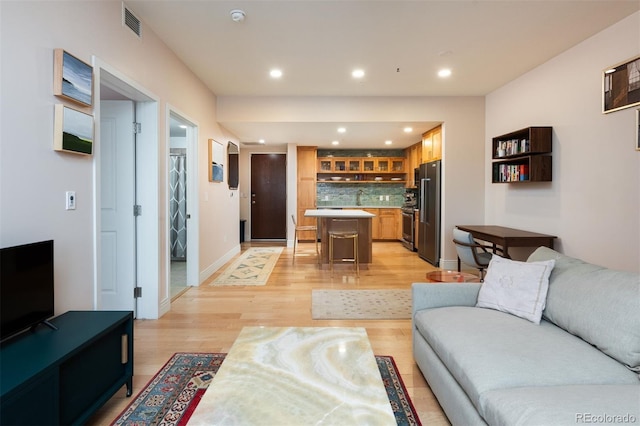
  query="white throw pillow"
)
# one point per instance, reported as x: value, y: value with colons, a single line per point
x: 519, y: 288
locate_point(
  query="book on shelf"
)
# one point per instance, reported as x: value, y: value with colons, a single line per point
x: 512, y: 173
x: 513, y: 147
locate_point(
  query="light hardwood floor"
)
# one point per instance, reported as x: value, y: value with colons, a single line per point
x: 208, y: 318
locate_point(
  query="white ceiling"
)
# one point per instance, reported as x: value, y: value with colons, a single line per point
x: 399, y: 44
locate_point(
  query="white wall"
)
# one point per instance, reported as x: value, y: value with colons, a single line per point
x: 593, y: 203
x: 34, y: 178
x: 463, y: 139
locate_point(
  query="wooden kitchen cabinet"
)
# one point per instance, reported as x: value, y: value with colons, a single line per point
x: 361, y: 169
x: 306, y: 179
x: 387, y: 224
x: 354, y: 165
x: 413, y: 156
x: 432, y: 145
x: 383, y: 165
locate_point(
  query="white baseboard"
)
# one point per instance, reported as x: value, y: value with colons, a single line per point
x: 165, y: 306
x: 449, y: 265
x: 209, y: 270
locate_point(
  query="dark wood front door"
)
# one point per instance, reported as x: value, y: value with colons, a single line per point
x: 268, y: 196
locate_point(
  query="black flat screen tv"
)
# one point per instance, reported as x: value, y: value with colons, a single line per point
x: 26, y: 287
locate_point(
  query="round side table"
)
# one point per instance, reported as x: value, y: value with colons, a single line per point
x: 451, y: 277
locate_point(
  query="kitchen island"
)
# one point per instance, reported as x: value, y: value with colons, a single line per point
x: 342, y: 249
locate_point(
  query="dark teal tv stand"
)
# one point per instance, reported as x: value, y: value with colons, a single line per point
x: 61, y: 377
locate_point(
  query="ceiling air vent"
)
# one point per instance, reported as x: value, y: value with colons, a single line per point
x: 131, y: 21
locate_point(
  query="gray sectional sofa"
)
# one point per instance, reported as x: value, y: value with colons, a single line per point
x: 579, y: 365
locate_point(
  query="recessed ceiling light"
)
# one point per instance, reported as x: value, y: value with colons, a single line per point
x: 445, y: 72
x: 261, y: 141
x: 357, y: 73
x: 388, y: 142
x: 335, y: 143
x: 275, y: 73
x: 408, y: 129
x: 341, y: 130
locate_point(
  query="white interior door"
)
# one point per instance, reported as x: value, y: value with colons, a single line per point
x: 117, y: 198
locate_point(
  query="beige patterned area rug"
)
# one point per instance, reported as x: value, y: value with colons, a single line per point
x: 253, y: 267
x: 361, y: 304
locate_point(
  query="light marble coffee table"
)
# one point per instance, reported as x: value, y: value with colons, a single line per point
x: 297, y: 376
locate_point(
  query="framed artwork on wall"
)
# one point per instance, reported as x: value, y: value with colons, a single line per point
x: 216, y: 157
x: 72, y: 78
x: 73, y: 131
x: 638, y: 130
x: 621, y: 85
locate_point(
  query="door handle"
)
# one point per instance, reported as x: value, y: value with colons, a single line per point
x: 188, y: 216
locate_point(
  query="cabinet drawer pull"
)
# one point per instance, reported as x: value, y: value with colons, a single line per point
x: 124, y: 356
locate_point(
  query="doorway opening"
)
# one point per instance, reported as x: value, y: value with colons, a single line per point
x: 183, y: 204
x: 126, y: 202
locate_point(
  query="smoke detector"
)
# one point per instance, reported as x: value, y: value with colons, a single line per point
x: 237, y: 15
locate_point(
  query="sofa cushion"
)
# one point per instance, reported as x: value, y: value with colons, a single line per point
x: 600, y: 305
x: 519, y: 288
x: 563, y: 405
x: 487, y: 350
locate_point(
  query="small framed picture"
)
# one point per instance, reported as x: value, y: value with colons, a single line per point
x: 73, y: 131
x: 621, y: 85
x: 72, y: 78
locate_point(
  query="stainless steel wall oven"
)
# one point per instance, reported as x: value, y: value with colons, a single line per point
x: 408, y: 227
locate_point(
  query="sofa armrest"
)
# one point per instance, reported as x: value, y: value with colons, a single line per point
x: 427, y: 296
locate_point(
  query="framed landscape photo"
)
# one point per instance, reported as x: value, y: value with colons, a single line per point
x: 621, y: 85
x: 72, y: 78
x: 73, y: 131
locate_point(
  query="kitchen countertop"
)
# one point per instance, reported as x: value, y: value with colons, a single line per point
x: 349, y: 213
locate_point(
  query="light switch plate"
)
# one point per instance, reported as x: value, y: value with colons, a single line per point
x: 70, y: 197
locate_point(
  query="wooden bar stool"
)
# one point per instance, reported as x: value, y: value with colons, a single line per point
x: 304, y: 228
x: 344, y: 229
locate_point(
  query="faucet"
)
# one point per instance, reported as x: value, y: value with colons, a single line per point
x: 358, y: 197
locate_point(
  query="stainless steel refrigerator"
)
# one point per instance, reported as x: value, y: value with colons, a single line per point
x: 429, y: 223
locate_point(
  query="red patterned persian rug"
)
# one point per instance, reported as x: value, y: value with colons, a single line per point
x: 173, y: 394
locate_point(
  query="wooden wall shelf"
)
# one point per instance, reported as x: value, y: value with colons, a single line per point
x: 522, y: 156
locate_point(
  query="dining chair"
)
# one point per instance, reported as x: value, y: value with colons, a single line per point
x: 471, y: 252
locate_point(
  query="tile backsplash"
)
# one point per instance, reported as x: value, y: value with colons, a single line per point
x: 346, y: 194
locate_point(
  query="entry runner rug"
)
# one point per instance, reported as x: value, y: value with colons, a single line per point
x: 253, y: 267
x: 361, y: 304
x: 170, y: 398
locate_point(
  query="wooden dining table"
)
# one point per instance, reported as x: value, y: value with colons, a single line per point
x: 508, y: 237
